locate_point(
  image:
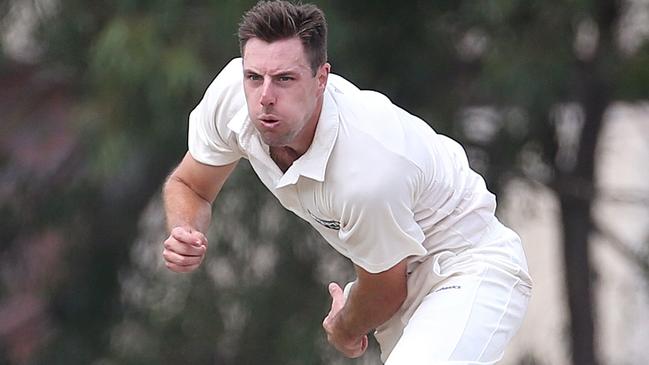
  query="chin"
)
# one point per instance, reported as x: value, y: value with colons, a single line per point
x: 273, y: 141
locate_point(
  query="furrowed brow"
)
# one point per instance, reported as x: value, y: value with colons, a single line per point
x: 248, y: 71
x: 289, y: 72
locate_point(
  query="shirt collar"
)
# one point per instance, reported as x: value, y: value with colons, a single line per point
x: 313, y: 163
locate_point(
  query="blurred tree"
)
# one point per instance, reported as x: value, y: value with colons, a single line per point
x: 134, y: 70
x: 525, y: 85
x: 508, y: 78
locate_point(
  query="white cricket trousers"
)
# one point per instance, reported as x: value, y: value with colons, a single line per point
x: 468, y: 319
x: 462, y: 308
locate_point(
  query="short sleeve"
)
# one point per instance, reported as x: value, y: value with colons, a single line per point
x: 210, y: 141
x: 378, y: 227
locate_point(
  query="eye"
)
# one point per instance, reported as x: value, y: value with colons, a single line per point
x: 285, y: 78
x: 253, y: 77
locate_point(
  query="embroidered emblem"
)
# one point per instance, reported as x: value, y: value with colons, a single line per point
x: 331, y: 224
x: 448, y: 287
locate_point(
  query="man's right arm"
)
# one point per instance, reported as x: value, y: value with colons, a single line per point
x: 188, y: 195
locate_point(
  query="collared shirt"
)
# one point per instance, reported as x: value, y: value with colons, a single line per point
x: 377, y: 182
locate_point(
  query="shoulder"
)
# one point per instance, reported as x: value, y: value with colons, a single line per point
x: 350, y: 99
x: 228, y: 84
x: 367, y: 111
x: 224, y: 97
x: 210, y: 140
x: 370, y: 174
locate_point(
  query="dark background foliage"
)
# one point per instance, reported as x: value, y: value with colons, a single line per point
x: 94, y: 118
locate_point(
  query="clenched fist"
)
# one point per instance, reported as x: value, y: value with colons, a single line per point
x: 185, y: 249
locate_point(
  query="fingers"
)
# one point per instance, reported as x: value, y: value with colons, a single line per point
x: 180, y: 260
x: 364, y: 343
x: 335, y: 307
x: 181, y: 263
x: 357, y: 350
x: 189, y: 236
x: 337, y: 303
x: 184, y: 249
x: 185, y: 241
x: 335, y: 289
x: 180, y: 269
x: 362, y: 347
x: 350, y: 347
x: 337, y: 298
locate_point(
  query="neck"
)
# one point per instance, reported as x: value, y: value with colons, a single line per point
x: 284, y: 156
x: 305, y: 137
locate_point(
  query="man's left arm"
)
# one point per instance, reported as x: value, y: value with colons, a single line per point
x: 373, y: 300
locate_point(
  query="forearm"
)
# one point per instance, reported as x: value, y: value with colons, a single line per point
x: 369, y: 305
x: 184, y: 207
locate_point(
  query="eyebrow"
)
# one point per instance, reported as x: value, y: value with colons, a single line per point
x: 291, y: 71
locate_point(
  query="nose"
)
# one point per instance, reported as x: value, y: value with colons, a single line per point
x: 267, y: 93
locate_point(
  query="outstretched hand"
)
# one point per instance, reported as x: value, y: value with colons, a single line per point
x: 184, y: 250
x: 350, y: 345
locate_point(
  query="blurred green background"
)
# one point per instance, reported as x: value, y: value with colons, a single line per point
x: 94, y: 100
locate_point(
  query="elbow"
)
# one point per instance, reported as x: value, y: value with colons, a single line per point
x: 172, y: 178
x: 177, y: 186
x: 172, y: 187
x: 174, y: 184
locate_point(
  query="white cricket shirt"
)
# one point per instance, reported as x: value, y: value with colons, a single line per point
x: 377, y: 182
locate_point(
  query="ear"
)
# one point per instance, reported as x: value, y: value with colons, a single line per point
x: 323, y: 75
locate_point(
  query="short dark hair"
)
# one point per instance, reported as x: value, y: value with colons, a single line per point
x: 277, y: 20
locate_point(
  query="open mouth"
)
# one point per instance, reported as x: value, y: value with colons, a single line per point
x: 268, y: 121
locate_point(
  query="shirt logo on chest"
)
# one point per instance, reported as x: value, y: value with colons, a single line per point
x: 331, y: 224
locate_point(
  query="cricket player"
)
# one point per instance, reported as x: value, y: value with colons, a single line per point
x: 439, y: 279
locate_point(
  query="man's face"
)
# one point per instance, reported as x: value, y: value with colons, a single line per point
x: 284, y: 98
